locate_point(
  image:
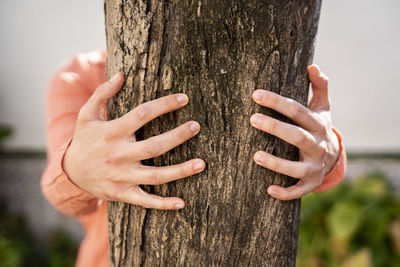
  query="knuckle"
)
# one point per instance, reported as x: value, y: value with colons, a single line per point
x: 321, y: 125
x: 315, y: 170
x: 140, y: 198
x: 314, y: 185
x: 322, y: 148
x: 285, y: 196
x: 273, y: 100
x: 184, y: 171
x: 112, y: 178
x: 301, y: 138
x: 273, y: 125
x: 328, y: 104
x: 155, y: 178
x: 141, y: 112
x: 100, y: 95
x: 326, y: 129
x: 170, y: 102
x: 303, y: 172
x: 166, y: 103
x: 113, y: 194
x: 114, y: 158
x: 164, y: 205
x: 152, y: 148
x: 295, y: 109
x: 102, y: 87
x: 143, y: 202
x: 274, y: 164
x: 100, y: 90
x: 182, y: 133
x: 110, y: 134
x: 320, y: 168
x: 294, y: 194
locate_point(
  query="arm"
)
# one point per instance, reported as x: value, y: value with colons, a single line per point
x: 92, y: 158
x: 322, y: 155
x: 68, y: 91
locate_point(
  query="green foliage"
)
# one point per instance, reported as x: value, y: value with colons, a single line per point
x: 9, y: 254
x: 5, y: 131
x: 355, y: 224
x: 19, y: 247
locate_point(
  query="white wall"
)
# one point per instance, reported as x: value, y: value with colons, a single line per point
x: 357, y: 47
x: 36, y: 36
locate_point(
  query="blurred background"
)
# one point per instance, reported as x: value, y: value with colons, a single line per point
x: 357, y: 47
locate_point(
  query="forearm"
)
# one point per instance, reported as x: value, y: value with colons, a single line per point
x: 68, y: 91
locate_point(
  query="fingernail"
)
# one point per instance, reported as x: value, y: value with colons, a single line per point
x: 255, y: 120
x: 260, y: 157
x: 179, y: 205
x: 198, y: 166
x: 194, y: 127
x: 181, y: 98
x: 258, y: 95
x: 272, y: 191
x: 114, y: 78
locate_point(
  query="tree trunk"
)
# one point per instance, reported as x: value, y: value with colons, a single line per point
x: 217, y: 52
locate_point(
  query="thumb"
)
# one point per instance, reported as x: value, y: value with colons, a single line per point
x: 96, y: 105
x: 319, y: 85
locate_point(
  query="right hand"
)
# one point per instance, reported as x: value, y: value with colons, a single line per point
x: 104, y: 157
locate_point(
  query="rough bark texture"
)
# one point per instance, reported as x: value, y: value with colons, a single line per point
x: 217, y: 52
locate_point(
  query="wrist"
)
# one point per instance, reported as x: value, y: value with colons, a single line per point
x: 336, y: 148
x: 66, y: 163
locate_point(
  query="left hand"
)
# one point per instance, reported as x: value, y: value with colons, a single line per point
x: 318, y: 145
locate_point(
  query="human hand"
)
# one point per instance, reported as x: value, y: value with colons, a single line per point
x: 104, y: 157
x: 318, y: 145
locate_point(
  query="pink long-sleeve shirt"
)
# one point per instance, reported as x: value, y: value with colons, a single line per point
x: 69, y: 89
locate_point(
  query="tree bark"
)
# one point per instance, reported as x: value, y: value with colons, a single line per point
x: 217, y: 52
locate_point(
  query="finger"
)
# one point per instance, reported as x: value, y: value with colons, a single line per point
x: 158, y: 145
x: 319, y: 84
x: 292, y: 134
x: 295, y: 169
x: 288, y: 107
x: 148, y: 111
x: 138, y: 196
x: 97, y: 103
x: 292, y: 192
x: 150, y: 175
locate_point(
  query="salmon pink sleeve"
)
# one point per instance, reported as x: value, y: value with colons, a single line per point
x: 337, y: 173
x: 68, y: 91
